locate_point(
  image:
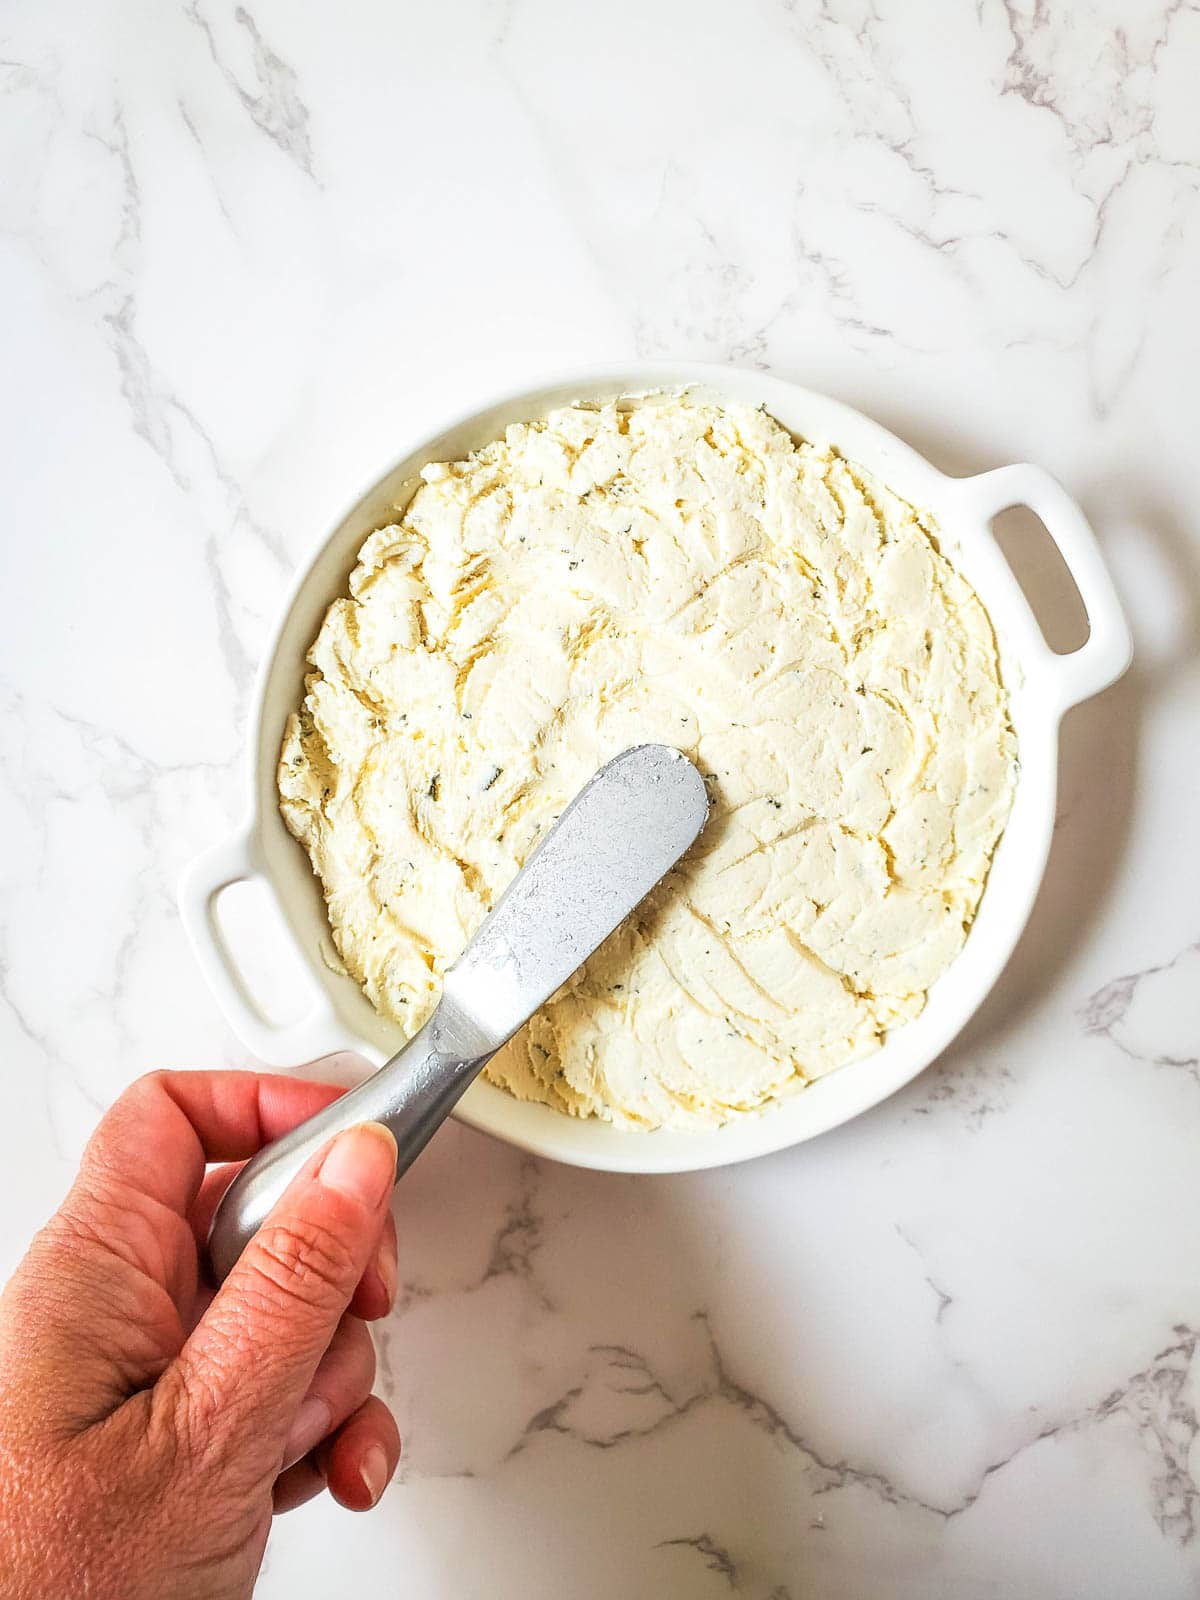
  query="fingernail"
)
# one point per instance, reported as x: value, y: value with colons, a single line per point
x: 385, y: 1266
x: 374, y: 1472
x: 361, y: 1163
x: 313, y: 1421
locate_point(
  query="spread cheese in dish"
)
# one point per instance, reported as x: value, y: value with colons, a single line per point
x: 674, y: 571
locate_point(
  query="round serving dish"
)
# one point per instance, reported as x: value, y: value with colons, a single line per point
x: 1041, y: 685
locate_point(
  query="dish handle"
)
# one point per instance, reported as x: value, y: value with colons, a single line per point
x: 278, y: 1044
x: 1108, y: 649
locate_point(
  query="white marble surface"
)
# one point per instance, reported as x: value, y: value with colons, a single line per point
x: 948, y: 1351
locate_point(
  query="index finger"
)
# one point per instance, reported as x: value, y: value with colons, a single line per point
x: 158, y: 1137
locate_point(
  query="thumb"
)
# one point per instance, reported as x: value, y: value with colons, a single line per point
x: 250, y: 1360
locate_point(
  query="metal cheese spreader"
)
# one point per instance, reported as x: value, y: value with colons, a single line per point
x: 623, y: 830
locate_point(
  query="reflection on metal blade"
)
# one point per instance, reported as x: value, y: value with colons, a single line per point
x: 612, y: 844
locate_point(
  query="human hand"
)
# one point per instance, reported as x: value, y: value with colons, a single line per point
x: 149, y: 1427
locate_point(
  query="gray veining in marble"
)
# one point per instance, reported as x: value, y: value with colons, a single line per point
x: 246, y: 250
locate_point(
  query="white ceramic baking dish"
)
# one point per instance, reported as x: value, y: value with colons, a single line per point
x: 1041, y: 685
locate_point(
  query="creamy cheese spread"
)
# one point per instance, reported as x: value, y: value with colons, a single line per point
x: 669, y: 570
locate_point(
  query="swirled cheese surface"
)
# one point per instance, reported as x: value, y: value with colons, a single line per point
x: 672, y: 570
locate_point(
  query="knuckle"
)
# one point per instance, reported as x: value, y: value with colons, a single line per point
x: 143, y: 1088
x: 186, y: 1418
x: 179, y: 1421
x: 187, y: 1435
x: 209, y: 1420
x: 303, y: 1260
x: 106, y: 1152
x: 209, y: 1479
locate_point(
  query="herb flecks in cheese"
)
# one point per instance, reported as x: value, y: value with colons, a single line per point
x: 665, y: 570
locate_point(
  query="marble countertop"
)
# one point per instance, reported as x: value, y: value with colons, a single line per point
x: 950, y: 1350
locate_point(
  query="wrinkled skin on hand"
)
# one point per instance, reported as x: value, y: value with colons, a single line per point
x: 149, y: 1428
